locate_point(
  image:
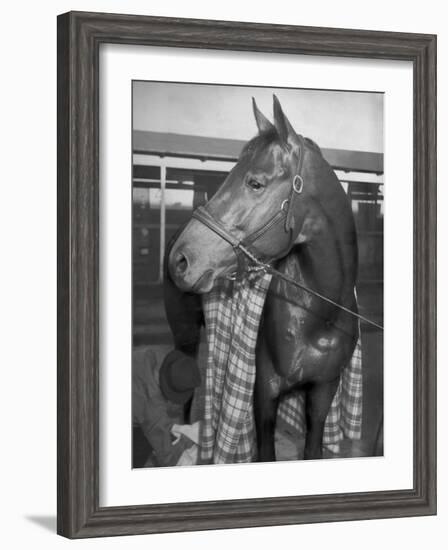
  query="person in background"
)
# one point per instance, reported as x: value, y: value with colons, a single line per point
x: 159, y: 398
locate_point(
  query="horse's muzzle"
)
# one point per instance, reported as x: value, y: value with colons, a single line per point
x: 184, y: 279
x: 199, y: 256
x: 179, y: 264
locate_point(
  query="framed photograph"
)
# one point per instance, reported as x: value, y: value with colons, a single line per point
x: 246, y: 274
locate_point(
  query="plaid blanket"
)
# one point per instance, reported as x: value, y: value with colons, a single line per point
x: 344, y: 418
x: 232, y: 313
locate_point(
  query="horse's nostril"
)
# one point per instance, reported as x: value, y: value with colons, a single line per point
x: 181, y: 263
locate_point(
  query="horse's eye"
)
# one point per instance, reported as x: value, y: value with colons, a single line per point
x: 254, y: 184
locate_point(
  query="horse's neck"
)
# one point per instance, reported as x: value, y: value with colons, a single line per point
x: 324, y: 261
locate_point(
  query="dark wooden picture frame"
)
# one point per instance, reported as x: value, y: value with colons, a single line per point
x: 79, y: 38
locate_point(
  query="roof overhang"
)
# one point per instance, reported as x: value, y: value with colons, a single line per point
x: 210, y: 148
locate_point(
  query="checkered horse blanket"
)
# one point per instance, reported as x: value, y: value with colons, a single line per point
x: 232, y: 313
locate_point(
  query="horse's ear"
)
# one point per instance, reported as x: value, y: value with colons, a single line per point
x: 263, y: 123
x: 282, y: 124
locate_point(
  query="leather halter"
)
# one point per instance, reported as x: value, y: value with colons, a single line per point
x: 246, y: 245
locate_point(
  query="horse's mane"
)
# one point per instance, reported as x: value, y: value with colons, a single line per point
x: 265, y: 139
x: 260, y: 142
x: 313, y: 145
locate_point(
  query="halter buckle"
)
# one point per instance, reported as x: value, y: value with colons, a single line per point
x: 297, y: 184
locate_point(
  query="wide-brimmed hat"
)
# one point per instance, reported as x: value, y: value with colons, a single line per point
x: 178, y: 377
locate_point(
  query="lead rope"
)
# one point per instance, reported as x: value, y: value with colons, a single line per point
x: 269, y: 269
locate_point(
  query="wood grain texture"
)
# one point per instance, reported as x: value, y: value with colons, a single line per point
x: 79, y: 38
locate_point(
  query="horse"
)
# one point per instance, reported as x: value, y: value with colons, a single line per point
x: 283, y: 204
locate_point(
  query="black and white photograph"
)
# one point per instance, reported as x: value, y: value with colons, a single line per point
x: 220, y: 275
x: 257, y: 274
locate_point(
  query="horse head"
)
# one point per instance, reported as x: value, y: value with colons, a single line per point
x: 265, y: 203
